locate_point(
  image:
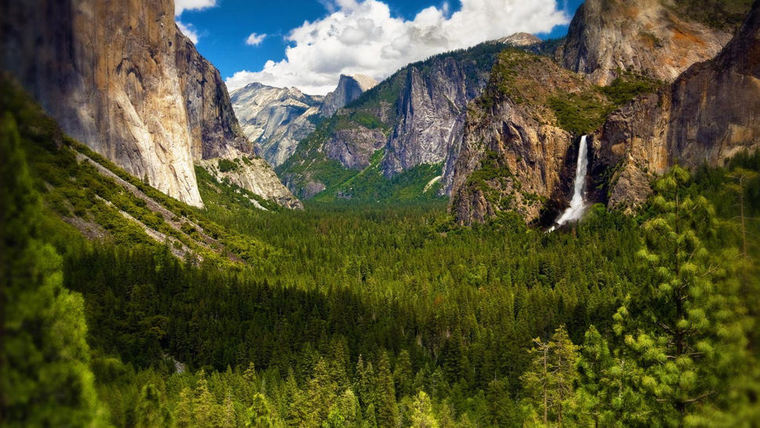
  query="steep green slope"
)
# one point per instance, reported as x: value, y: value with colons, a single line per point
x: 102, y: 201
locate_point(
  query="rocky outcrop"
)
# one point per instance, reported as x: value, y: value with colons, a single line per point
x: 515, y: 156
x: 214, y: 129
x: 658, y: 38
x: 354, y: 147
x: 706, y: 116
x: 253, y: 174
x: 121, y: 78
x: 275, y: 119
x: 431, y: 114
x: 349, y: 89
x: 520, y: 40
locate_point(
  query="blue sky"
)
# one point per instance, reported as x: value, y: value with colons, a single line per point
x: 373, y: 37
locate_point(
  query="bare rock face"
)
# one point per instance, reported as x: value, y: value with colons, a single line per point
x: 121, y: 78
x: 214, y: 129
x: 275, y: 119
x: 432, y: 113
x: 520, y: 40
x: 709, y: 114
x: 514, y: 156
x: 658, y: 38
x: 354, y: 147
x: 253, y: 174
x: 349, y: 89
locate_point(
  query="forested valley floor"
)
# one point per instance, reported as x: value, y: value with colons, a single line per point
x: 369, y: 315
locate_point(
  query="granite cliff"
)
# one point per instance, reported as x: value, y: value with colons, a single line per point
x: 515, y: 154
x: 659, y: 38
x: 275, y: 119
x: 657, y: 105
x: 410, y: 122
x: 121, y: 78
x: 709, y: 114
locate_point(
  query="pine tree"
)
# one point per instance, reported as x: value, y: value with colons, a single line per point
x: 688, y: 337
x: 206, y: 411
x: 183, y: 412
x: 45, y: 378
x: 422, y: 412
x: 549, y: 380
x: 151, y: 409
x: 259, y: 415
x: 403, y: 375
x: 387, y: 410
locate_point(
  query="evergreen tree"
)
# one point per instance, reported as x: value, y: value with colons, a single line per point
x: 45, y: 378
x: 549, y: 380
x: 688, y: 338
x: 183, y: 412
x: 387, y: 410
x: 259, y: 415
x: 151, y: 409
x: 403, y: 375
x: 422, y: 412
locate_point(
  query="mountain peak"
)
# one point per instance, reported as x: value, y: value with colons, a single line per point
x: 350, y: 87
x: 520, y: 40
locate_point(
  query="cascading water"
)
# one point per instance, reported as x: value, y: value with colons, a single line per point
x: 577, y: 203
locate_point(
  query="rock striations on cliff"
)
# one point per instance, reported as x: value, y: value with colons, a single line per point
x: 660, y: 38
x: 121, y: 78
x: 699, y: 112
x: 275, y: 119
x: 709, y: 114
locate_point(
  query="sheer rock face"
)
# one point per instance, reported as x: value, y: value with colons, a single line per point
x: 431, y: 115
x: 709, y: 114
x: 354, y: 147
x: 275, y: 119
x: 349, y: 89
x: 121, y: 78
x: 514, y: 155
x: 214, y: 129
x: 644, y: 36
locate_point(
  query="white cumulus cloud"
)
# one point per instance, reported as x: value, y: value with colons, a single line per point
x: 361, y: 36
x: 183, y: 5
x: 189, y: 31
x: 255, y: 39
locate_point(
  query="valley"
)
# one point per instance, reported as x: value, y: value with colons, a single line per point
x: 525, y: 232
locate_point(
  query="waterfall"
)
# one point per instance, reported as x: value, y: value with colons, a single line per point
x: 577, y: 203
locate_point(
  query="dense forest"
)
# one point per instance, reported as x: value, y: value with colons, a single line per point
x: 354, y: 315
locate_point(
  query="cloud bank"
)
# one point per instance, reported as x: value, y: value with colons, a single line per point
x: 361, y: 36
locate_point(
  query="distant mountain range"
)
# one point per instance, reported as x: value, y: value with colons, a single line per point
x: 276, y: 119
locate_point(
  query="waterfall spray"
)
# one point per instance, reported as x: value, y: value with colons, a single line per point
x: 577, y: 203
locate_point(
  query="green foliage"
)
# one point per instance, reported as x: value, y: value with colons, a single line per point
x: 45, y: 378
x: 550, y: 377
x: 370, y: 185
x: 580, y: 113
x: 374, y: 315
x: 628, y: 86
x: 226, y: 165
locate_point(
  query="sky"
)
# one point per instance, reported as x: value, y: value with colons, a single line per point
x: 308, y: 44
